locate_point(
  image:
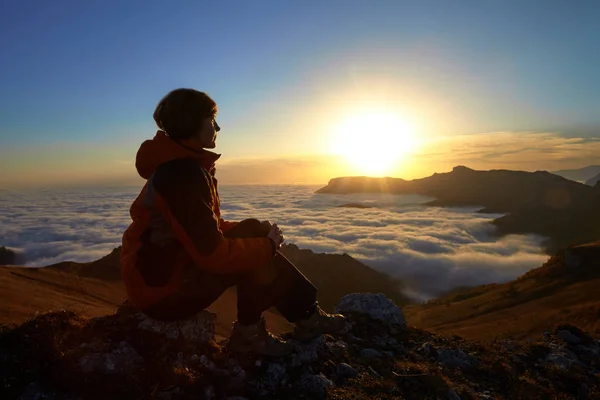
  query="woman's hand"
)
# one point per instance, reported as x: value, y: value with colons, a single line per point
x: 276, y: 236
x: 266, y: 225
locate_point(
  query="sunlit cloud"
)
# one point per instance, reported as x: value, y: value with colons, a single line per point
x: 98, y: 165
x: 526, y: 151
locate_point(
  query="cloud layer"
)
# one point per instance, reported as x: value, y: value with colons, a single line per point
x: 432, y: 249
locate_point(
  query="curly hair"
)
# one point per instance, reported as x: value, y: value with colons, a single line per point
x: 181, y: 112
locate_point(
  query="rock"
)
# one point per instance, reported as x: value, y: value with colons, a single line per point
x: 337, y: 348
x: 568, y: 337
x: 199, y: 328
x: 207, y: 363
x: 456, y: 358
x: 315, y: 386
x: 274, y: 377
x: 559, y: 360
x: 309, y: 352
x: 168, y: 394
x: 452, y: 395
x: 388, y: 343
x: 377, y: 306
x: 35, y: 391
x: 583, y: 391
x: 121, y: 360
x: 344, y: 370
x: 508, y: 345
x: 370, y: 353
x: 428, y: 350
x: 210, y: 393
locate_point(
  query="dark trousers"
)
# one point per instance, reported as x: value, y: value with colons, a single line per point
x: 278, y: 284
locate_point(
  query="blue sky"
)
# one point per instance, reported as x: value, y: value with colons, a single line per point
x: 76, y: 76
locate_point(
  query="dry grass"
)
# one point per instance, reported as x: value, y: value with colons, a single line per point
x: 518, y: 309
x: 28, y: 292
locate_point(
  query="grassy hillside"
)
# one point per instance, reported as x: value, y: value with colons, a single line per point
x: 564, y: 289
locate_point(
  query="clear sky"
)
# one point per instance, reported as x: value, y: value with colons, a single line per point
x: 79, y: 81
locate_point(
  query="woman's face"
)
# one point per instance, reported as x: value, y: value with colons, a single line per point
x: 208, y: 133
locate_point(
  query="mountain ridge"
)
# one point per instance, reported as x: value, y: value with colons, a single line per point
x: 535, y: 202
x: 579, y: 174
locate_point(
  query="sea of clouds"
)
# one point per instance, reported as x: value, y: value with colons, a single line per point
x: 431, y: 249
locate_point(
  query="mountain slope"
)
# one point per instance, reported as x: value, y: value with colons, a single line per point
x: 564, y: 289
x: 594, y: 180
x: 94, y: 289
x: 579, y: 174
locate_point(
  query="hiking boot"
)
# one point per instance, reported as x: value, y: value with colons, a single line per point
x: 256, y: 339
x: 317, y: 324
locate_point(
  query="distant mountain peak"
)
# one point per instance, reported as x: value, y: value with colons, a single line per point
x: 462, y: 168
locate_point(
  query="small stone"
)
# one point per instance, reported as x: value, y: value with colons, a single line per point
x: 584, y: 391
x: 547, y: 333
x: 207, y: 363
x: 34, y: 391
x: 568, y: 337
x: 199, y: 328
x: 456, y: 358
x: 428, y: 350
x: 274, y: 377
x: 315, y: 386
x: 370, y: 353
x: 210, y: 393
x: 344, y: 370
x: 559, y: 360
x: 387, y: 342
x: 309, y: 352
x: 452, y: 395
x: 508, y: 345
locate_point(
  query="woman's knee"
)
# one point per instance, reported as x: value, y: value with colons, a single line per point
x: 264, y: 275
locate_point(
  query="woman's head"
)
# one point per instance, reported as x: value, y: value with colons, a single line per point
x: 187, y: 114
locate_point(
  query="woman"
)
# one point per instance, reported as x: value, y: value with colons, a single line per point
x: 179, y: 255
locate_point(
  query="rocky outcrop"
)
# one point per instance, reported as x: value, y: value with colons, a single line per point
x: 127, y: 355
x: 10, y: 257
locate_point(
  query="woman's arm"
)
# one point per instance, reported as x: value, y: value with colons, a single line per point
x: 184, y: 198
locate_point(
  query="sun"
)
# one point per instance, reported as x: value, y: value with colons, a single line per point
x: 373, y: 142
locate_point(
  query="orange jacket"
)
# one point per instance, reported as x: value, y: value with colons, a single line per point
x: 177, y: 221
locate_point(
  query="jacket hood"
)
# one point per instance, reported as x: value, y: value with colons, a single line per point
x: 162, y: 149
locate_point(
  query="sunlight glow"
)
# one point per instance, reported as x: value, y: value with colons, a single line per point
x: 374, y: 142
